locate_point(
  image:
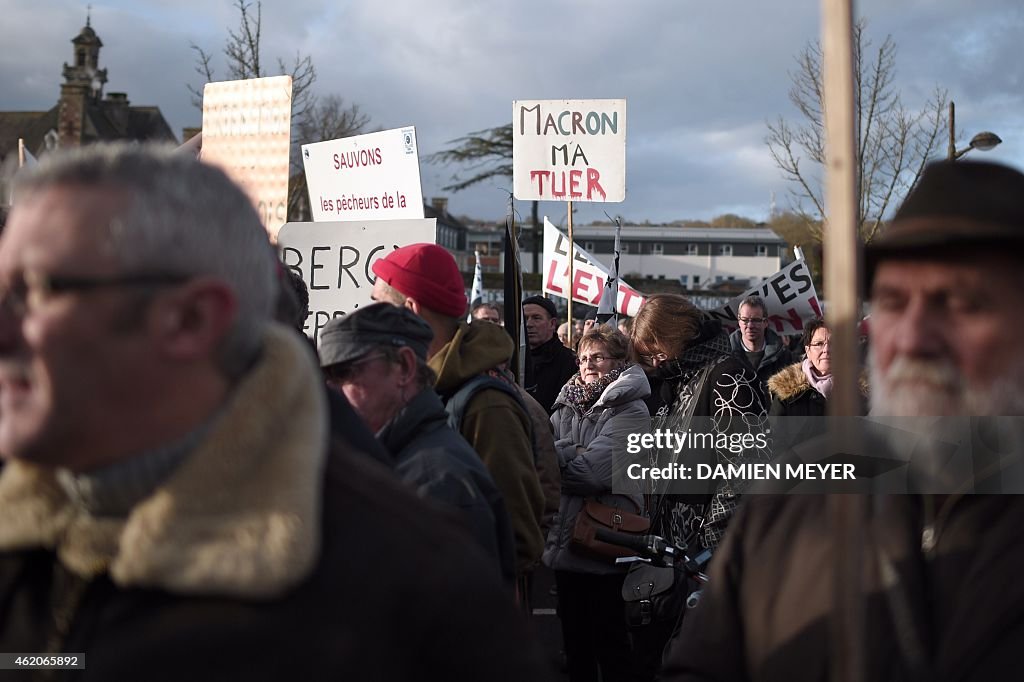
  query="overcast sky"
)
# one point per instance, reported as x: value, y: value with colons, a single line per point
x: 701, y: 79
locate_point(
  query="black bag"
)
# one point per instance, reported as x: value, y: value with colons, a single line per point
x: 653, y: 594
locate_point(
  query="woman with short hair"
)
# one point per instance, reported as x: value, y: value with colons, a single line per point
x: 595, y: 412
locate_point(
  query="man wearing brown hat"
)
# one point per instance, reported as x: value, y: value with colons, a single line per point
x: 425, y: 279
x: 377, y: 357
x: 940, y: 596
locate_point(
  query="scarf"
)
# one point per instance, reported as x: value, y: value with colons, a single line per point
x: 583, y: 396
x: 820, y: 383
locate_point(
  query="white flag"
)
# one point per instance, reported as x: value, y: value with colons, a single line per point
x: 606, y: 312
x: 476, y: 296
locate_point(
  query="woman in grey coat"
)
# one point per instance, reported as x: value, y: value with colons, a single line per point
x: 595, y: 412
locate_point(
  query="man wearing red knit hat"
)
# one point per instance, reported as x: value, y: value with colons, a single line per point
x: 483, y: 407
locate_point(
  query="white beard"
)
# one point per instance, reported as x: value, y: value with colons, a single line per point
x: 935, y: 388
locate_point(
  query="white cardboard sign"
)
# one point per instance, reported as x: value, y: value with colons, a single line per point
x: 334, y: 260
x: 569, y: 150
x: 365, y: 177
x: 247, y: 132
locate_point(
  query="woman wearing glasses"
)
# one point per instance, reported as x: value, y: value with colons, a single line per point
x: 596, y: 410
x: 704, y: 388
x: 802, y: 389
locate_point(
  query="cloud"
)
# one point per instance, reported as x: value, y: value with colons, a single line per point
x: 700, y: 78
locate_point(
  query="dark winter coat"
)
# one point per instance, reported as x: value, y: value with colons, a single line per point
x: 602, y: 432
x: 764, y: 616
x: 498, y: 428
x: 442, y: 466
x: 266, y: 555
x: 549, y: 366
x: 729, y: 402
x: 776, y: 356
x: 793, y: 396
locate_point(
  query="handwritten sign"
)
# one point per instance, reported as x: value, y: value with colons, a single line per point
x: 365, y: 177
x: 247, y: 132
x: 569, y: 150
x: 789, y: 294
x: 335, y: 259
x: 789, y: 298
x: 588, y: 276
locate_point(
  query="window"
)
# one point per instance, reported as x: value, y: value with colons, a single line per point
x: 684, y: 280
x: 624, y: 247
x: 696, y: 280
x: 691, y: 249
x: 718, y: 278
x: 725, y: 250
x: 661, y: 276
x: 588, y: 246
x: 657, y: 249
x: 762, y: 250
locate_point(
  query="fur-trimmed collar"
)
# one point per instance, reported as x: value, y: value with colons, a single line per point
x: 239, y: 517
x: 791, y: 381
x: 788, y: 382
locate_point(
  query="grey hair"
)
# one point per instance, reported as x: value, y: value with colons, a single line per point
x: 754, y: 301
x: 180, y: 217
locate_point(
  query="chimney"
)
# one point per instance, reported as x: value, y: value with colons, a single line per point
x: 440, y: 204
x: 116, y: 105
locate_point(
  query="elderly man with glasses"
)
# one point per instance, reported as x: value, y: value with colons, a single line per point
x: 757, y: 346
x: 173, y: 506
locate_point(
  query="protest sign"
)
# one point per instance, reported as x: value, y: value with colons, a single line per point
x: 569, y: 150
x: 247, y: 132
x: 789, y: 297
x: 334, y: 260
x: 588, y: 277
x: 789, y: 294
x: 365, y: 177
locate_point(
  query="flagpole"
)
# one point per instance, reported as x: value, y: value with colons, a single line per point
x: 21, y: 152
x: 572, y: 253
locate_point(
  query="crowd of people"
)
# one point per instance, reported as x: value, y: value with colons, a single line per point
x: 190, y: 489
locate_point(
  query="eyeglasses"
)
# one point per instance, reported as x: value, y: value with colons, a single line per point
x: 595, y: 359
x: 345, y: 372
x: 650, y: 359
x: 35, y: 288
x: 821, y: 344
x: 751, y: 320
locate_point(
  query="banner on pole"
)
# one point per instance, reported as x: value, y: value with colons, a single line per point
x: 789, y: 294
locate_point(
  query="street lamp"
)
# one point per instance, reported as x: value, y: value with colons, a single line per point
x: 984, y: 140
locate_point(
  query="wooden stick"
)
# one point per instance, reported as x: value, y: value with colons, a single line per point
x: 572, y: 257
x: 841, y: 242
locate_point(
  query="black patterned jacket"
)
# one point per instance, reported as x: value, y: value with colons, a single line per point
x: 729, y: 404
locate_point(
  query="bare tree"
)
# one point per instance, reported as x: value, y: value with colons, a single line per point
x: 487, y: 154
x: 242, y: 51
x: 327, y: 119
x: 893, y: 143
x: 313, y: 118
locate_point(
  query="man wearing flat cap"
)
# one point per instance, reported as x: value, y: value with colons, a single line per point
x: 550, y: 364
x: 425, y: 279
x: 940, y: 593
x: 377, y: 357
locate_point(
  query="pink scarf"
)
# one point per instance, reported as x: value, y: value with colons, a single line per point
x: 821, y: 384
